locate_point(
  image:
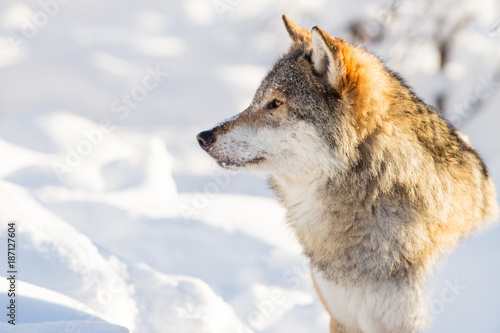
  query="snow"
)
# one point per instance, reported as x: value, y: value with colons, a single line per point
x: 125, y: 225
x: 57, y: 311
x: 63, y: 326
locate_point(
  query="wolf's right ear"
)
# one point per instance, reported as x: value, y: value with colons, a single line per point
x: 331, y: 57
x: 298, y: 34
x: 356, y: 75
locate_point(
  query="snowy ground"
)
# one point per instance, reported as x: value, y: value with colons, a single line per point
x: 123, y: 224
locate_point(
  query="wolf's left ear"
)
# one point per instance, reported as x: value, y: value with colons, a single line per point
x: 297, y: 34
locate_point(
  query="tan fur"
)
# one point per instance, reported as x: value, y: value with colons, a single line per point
x: 298, y: 34
x: 377, y: 186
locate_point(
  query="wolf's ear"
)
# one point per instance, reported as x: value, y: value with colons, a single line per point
x: 297, y: 34
x: 359, y: 78
x: 332, y: 58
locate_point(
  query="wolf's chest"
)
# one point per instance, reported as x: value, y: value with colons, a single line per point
x: 347, y: 240
x: 373, y: 307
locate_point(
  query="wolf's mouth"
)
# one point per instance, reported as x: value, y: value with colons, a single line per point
x: 229, y: 164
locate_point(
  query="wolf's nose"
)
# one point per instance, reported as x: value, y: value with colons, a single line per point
x: 205, y: 138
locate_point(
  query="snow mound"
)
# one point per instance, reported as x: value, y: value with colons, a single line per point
x: 56, y: 256
x: 68, y: 282
x: 180, y: 304
x: 44, y: 310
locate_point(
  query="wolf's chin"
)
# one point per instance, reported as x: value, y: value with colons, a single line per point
x: 227, y: 164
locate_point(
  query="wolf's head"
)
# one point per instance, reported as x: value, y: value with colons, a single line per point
x: 310, y: 112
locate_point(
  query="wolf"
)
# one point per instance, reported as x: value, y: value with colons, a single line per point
x: 377, y: 185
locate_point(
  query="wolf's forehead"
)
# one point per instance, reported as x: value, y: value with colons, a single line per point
x: 285, y: 76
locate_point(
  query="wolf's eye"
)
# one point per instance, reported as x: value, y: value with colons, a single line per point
x: 274, y: 104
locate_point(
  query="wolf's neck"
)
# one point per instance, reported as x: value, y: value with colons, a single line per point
x: 303, y: 196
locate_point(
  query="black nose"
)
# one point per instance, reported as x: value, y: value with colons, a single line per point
x: 205, y: 138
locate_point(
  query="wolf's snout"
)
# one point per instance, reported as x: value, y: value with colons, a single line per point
x: 205, y: 138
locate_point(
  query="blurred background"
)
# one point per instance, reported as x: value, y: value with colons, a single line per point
x: 124, y: 223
